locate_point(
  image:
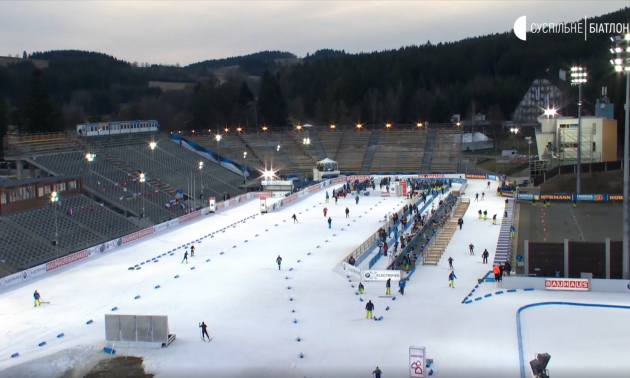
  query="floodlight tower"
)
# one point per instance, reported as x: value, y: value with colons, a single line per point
x: 621, y: 61
x: 578, y: 77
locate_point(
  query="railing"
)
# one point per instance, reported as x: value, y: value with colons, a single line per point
x: 40, y: 137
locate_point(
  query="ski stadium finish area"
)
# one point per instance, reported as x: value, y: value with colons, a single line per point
x: 307, y: 319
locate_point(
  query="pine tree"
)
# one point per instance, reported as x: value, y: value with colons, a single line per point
x: 245, y: 96
x: 272, y: 108
x: 39, y: 113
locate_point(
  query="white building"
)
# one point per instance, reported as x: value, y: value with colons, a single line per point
x: 557, y: 139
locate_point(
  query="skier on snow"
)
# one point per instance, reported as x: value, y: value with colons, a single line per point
x: 450, y: 263
x: 388, y: 287
x: 279, y: 261
x: 361, y: 288
x: 204, y: 331
x: 38, y: 299
x: 294, y: 219
x: 471, y: 248
x: 377, y: 373
x: 369, y: 307
x: 185, y: 258
x: 347, y: 212
x: 329, y: 222
x: 451, y: 279
x: 192, y: 251
x: 325, y: 211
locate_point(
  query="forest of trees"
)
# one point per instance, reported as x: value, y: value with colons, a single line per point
x: 416, y: 83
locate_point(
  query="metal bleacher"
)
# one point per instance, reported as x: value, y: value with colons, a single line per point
x: 446, y: 151
x: 399, y: 151
x: 26, y: 237
x: 352, y: 149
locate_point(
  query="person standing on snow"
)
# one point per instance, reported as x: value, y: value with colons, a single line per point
x: 356, y: 199
x: 377, y: 373
x: 494, y: 219
x: 192, y: 251
x: 329, y: 222
x: 347, y: 212
x: 484, y: 256
x: 327, y: 197
x: 450, y: 263
x: 460, y: 222
x: 279, y: 261
x: 38, y: 299
x: 294, y: 219
x: 369, y: 307
x: 204, y: 331
x: 185, y: 258
x: 325, y: 211
x: 471, y: 248
x: 401, y: 286
x: 361, y: 288
x: 388, y: 287
x: 451, y: 279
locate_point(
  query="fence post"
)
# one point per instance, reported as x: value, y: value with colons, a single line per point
x: 566, y: 258
x: 607, y: 258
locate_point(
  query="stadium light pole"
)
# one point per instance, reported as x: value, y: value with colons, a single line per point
x: 578, y: 77
x: 142, y: 180
x: 218, y: 138
x: 90, y: 158
x: 54, y: 198
x: 621, y: 62
x: 245, y: 165
x: 201, y: 177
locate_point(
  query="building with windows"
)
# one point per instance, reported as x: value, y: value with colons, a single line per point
x: 557, y: 139
x: 545, y: 92
x: 29, y: 194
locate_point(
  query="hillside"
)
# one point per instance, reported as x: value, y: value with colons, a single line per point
x: 414, y: 83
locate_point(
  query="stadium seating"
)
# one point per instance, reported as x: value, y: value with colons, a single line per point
x: 331, y: 140
x: 23, y: 145
x: 446, y: 151
x: 26, y: 237
x: 352, y: 150
x: 399, y: 151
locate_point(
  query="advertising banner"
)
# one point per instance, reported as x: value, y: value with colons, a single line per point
x: 351, y: 269
x: 507, y: 194
x: 567, y: 284
x: 555, y: 197
x: 279, y: 194
x: 587, y: 197
x: 381, y: 275
x: 69, y: 259
x: 313, y: 188
x: 137, y: 235
x: 12, y: 280
x: 262, y: 194
x: 417, y: 357
x: 160, y: 227
x: 36, y: 271
x: 612, y: 197
x: 289, y: 199
x: 384, y: 194
x: 173, y: 222
x: 189, y: 216
x: 475, y: 177
x: 431, y: 176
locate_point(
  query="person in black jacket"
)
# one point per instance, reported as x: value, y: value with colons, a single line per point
x: 484, y: 256
x: 204, y: 331
x: 347, y: 212
x: 294, y: 219
x: 377, y: 373
x: 369, y: 307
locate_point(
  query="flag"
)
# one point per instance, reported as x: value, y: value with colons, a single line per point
x: 156, y: 191
x: 128, y: 175
x: 98, y: 183
x: 102, y: 205
x: 121, y: 198
x: 116, y: 185
x: 71, y: 211
x: 135, y: 181
x: 168, y: 205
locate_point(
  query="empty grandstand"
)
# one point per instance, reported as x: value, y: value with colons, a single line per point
x: 132, y: 181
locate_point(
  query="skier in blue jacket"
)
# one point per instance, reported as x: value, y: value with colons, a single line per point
x: 185, y: 258
x: 451, y: 279
x: 38, y: 301
x: 401, y: 286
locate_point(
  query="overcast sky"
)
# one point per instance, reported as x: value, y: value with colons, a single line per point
x: 187, y: 32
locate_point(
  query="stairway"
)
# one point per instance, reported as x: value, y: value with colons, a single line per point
x: 321, y: 153
x: 435, y: 251
x: 249, y: 150
x: 369, y: 154
x: 428, y: 152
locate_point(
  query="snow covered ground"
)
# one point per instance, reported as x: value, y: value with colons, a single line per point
x: 245, y: 301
